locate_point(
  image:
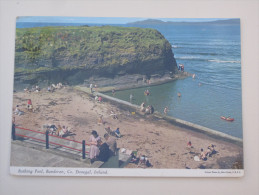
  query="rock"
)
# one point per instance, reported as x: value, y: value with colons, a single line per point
x: 75, y: 54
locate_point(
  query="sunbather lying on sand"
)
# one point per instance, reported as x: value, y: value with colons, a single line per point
x: 18, y: 111
x: 203, y: 155
x: 211, y: 150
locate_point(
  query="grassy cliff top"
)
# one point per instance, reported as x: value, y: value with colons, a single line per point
x: 45, y: 48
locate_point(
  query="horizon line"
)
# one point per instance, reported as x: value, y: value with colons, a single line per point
x: 109, y: 20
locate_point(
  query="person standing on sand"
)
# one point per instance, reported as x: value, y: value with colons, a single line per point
x: 111, y: 142
x: 94, y: 150
x: 29, y: 104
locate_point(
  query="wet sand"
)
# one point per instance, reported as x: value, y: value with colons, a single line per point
x: 164, y: 144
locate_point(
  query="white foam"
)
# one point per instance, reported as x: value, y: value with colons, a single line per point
x: 224, y: 61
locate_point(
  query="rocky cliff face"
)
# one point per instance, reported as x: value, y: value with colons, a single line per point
x: 74, y: 54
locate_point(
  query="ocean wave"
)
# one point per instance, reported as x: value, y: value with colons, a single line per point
x: 224, y: 61
x: 205, y: 54
x: 219, y: 85
x: 205, y: 59
x: 188, y: 57
x: 175, y: 46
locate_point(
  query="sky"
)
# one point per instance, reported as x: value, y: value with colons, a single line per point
x: 104, y: 20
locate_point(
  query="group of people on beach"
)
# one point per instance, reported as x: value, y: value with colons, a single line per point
x: 141, y: 161
x: 98, y: 98
x: 58, y: 131
x: 50, y: 88
x: 92, y: 86
x: 35, y: 88
x: 115, y: 133
x: 208, y: 153
x: 19, y: 112
x: 147, y: 110
x: 101, y: 150
x: 53, y: 87
x: 204, y: 154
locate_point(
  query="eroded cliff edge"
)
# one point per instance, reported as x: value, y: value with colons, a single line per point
x: 78, y: 54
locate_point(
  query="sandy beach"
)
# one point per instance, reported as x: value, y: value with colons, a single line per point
x: 164, y: 144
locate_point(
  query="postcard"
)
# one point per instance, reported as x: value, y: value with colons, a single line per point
x: 147, y: 97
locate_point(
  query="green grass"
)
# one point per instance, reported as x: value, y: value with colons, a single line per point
x: 42, y: 48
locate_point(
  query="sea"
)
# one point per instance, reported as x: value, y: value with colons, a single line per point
x: 213, y: 54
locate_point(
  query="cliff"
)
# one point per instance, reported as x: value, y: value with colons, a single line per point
x: 74, y: 54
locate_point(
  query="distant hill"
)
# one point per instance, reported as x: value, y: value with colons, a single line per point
x: 234, y: 21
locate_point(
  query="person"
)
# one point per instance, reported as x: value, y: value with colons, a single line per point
x: 18, y: 111
x: 94, y: 150
x: 211, y: 150
x: 37, y: 88
x: 104, y: 153
x: 99, y: 99
x: 96, y: 98
x: 111, y: 142
x: 149, y: 110
x: 134, y: 158
x: 108, y: 129
x: 203, y: 155
x: 143, y: 160
x: 100, y: 120
x: 58, y: 132
x: 147, y: 92
x: 26, y: 90
x: 182, y: 68
x: 142, y: 107
x: 166, y: 110
x: 113, y: 92
x: 114, y: 115
x: 59, y: 85
x: 189, y: 144
x: 63, y: 131
x: 91, y: 88
x: 29, y: 104
x: 179, y: 94
x: 117, y: 132
x: 131, y: 97
x: 52, y: 129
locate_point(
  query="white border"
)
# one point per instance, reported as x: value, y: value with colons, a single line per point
x: 246, y: 10
x: 57, y: 171
x: 173, y: 172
